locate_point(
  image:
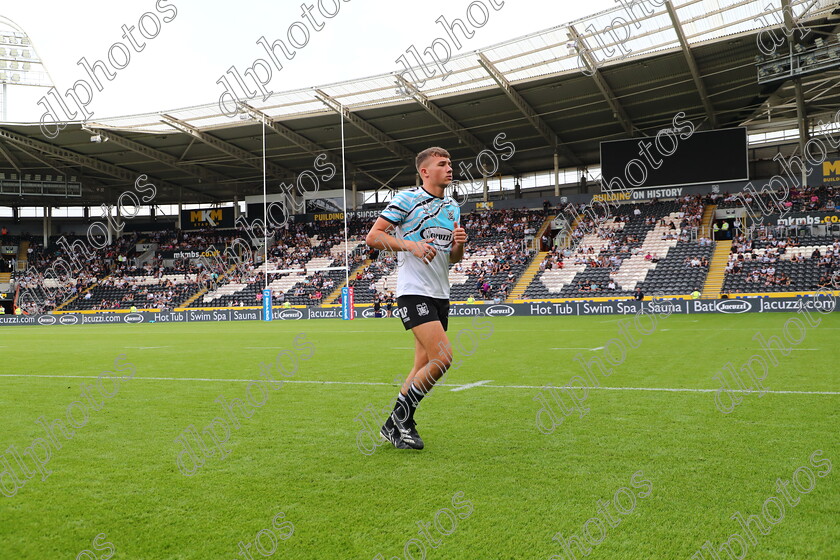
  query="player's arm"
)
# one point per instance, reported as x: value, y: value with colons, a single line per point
x: 459, y: 241
x: 381, y: 237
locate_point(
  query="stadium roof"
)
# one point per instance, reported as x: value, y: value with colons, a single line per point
x: 562, y: 90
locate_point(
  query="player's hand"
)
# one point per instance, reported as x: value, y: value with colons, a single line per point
x: 459, y: 234
x: 423, y: 251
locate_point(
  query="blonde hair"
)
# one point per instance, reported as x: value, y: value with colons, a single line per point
x: 427, y: 153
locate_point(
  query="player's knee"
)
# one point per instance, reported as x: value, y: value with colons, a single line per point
x: 421, y: 357
x: 438, y: 366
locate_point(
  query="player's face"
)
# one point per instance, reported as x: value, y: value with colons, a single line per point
x: 438, y: 170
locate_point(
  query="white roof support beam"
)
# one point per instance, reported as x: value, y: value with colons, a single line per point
x: 162, y: 157
x: 235, y: 152
x: 390, y: 144
x: 464, y: 135
x: 10, y: 158
x: 451, y: 124
x: 304, y: 143
x: 692, y: 65
x: 72, y: 157
x: 530, y: 114
x: 586, y: 55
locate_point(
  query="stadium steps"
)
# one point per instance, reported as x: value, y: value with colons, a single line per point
x: 23, y: 255
x: 333, y: 297
x: 518, y: 291
x: 72, y: 299
x: 708, y: 217
x: 717, y: 270
x: 66, y: 303
x: 203, y: 291
x: 542, y: 229
x: 5, y: 277
x: 567, y: 243
x: 191, y: 299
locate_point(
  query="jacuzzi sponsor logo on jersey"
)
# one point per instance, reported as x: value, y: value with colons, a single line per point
x: 733, y: 306
x: 499, y: 311
x: 440, y: 237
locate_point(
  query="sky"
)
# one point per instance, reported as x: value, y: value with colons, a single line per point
x: 180, y: 65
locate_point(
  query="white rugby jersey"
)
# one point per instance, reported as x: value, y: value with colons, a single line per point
x: 421, y: 216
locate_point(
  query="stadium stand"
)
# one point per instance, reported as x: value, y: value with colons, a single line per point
x: 297, y: 267
x: 823, y: 198
x: 657, y: 246
x: 768, y: 264
x: 652, y: 246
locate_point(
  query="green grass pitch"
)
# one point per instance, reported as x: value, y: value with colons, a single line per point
x: 643, y: 474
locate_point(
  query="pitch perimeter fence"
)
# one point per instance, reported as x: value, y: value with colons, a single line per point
x: 821, y: 302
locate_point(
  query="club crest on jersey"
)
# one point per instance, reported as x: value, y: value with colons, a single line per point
x: 422, y: 309
x: 450, y: 213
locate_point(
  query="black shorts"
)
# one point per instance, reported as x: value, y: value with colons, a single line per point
x: 417, y: 310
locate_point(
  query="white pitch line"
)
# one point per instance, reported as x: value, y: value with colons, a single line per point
x: 669, y: 390
x: 471, y: 385
x: 375, y: 383
x: 207, y: 379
